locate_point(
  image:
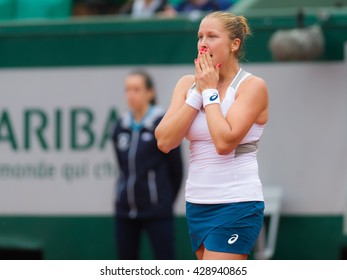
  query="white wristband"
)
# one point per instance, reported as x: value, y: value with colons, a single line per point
x: 194, y: 99
x: 210, y: 96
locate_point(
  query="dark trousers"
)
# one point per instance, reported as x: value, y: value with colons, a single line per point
x: 159, y: 230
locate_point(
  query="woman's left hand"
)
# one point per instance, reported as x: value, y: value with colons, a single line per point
x: 206, y: 75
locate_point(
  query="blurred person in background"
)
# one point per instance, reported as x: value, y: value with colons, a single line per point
x: 191, y: 6
x: 148, y: 8
x: 149, y: 179
x: 96, y: 7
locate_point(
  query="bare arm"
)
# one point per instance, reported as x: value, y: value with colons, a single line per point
x: 250, y: 106
x: 178, y: 118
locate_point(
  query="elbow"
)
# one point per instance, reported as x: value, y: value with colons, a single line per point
x: 165, y: 143
x: 224, y: 149
x: 162, y: 147
x: 160, y: 143
x: 223, y: 152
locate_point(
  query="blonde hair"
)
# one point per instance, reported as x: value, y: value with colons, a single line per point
x: 237, y: 26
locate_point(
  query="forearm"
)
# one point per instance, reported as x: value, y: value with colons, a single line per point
x: 224, y: 138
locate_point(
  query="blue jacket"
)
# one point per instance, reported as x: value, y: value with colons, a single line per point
x: 149, y: 179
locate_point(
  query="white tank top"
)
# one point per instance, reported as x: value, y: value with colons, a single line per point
x: 214, y: 178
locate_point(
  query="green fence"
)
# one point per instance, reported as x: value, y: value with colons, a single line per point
x: 120, y: 41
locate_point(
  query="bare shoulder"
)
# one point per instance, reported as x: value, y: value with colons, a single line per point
x: 253, y: 85
x: 183, y: 85
x: 255, y: 81
x: 186, y: 81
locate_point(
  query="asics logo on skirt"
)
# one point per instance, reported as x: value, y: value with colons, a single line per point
x: 233, y: 239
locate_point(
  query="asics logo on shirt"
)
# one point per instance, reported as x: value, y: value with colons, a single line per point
x: 214, y: 96
x: 233, y: 238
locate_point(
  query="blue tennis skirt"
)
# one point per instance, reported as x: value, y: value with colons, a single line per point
x: 229, y: 228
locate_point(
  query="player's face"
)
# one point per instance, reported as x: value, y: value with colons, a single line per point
x: 137, y: 95
x: 213, y: 36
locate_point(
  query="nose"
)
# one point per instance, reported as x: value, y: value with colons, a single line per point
x: 202, y: 44
x: 202, y: 47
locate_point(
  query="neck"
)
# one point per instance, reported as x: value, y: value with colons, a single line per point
x: 226, y: 76
x: 148, y: 2
x: 139, y: 114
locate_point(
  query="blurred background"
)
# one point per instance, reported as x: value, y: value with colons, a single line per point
x: 62, y: 66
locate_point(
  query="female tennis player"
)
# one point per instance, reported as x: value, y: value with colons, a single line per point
x: 222, y: 111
